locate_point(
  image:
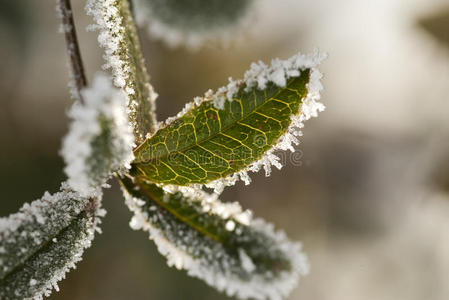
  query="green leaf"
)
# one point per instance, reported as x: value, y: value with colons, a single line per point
x: 118, y: 36
x: 216, y: 242
x: 200, y: 15
x: 41, y: 242
x: 437, y: 24
x: 100, y: 140
x: 207, y: 143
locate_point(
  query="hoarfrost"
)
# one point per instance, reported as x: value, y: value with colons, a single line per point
x: 279, y: 72
x: 247, y: 263
x: 190, y: 30
x: 258, y: 76
x: 231, y: 271
x: 112, y: 36
x: 65, y: 217
x: 100, y: 139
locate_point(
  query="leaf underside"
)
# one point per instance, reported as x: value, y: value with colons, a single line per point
x: 47, y: 265
x: 204, y: 235
x: 139, y: 80
x: 207, y: 143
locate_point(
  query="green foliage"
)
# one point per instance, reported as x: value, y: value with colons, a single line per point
x: 41, y: 242
x: 141, y: 102
x: 186, y: 217
x: 208, y: 143
x: 36, y: 275
x: 221, y: 246
x: 118, y: 35
x: 212, y: 141
x: 100, y: 139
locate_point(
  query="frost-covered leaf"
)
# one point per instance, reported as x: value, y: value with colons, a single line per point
x: 40, y: 243
x: 237, y: 129
x: 118, y: 36
x: 216, y: 242
x: 100, y: 140
x: 192, y: 22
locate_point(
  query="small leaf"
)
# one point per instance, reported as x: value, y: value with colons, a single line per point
x: 41, y: 242
x: 100, y: 139
x: 236, y: 129
x: 216, y: 242
x: 118, y: 36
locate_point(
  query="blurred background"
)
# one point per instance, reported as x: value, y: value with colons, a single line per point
x: 370, y: 200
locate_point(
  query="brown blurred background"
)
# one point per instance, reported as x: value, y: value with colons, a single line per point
x: 370, y: 200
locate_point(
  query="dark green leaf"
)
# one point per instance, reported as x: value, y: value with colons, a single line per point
x: 41, y: 242
x: 246, y: 260
x: 207, y: 143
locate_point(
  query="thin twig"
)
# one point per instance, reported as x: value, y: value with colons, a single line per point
x: 76, y: 63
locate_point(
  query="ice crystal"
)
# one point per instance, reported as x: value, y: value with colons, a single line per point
x: 100, y: 139
x: 243, y: 257
x: 278, y: 73
x: 258, y: 76
x: 126, y: 63
x: 44, y: 240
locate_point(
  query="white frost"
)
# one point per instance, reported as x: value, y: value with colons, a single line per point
x: 100, y: 139
x: 211, y: 204
x: 247, y: 263
x: 37, y: 223
x: 278, y: 73
x: 211, y: 262
x: 193, y: 38
x: 112, y: 35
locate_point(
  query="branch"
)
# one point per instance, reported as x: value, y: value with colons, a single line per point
x: 76, y: 62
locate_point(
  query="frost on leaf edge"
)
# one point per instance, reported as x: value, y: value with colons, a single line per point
x: 255, y: 287
x: 58, y: 209
x: 258, y: 76
x: 88, y: 168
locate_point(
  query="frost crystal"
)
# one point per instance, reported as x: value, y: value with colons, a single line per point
x: 44, y: 240
x: 193, y: 23
x: 121, y: 58
x: 243, y: 257
x: 108, y: 21
x: 100, y: 140
x: 278, y: 73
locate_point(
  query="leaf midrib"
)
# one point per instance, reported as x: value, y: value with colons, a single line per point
x: 212, y: 136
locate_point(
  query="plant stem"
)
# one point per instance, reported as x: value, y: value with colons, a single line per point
x: 76, y: 62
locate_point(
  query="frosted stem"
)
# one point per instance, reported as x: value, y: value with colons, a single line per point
x: 76, y: 62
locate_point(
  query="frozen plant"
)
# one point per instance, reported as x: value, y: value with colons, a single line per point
x: 172, y: 172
